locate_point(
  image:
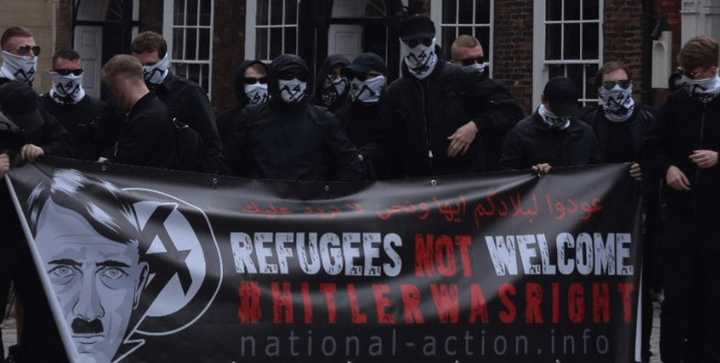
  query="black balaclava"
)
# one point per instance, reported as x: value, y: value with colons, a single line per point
x: 279, y: 64
x: 240, y: 81
x: 321, y: 96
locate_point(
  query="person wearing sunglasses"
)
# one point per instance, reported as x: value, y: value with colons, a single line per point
x: 93, y: 125
x: 331, y: 86
x: 200, y: 143
x: 288, y: 137
x: 682, y: 149
x: 429, y: 118
x: 467, y: 51
x: 250, y: 89
x: 20, y: 54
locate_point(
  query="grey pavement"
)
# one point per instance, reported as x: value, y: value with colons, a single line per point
x: 9, y: 334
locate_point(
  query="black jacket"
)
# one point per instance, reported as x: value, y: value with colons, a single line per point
x: 189, y: 104
x: 299, y: 141
x: 92, y: 124
x: 640, y: 122
x: 532, y: 142
x: 224, y: 121
x: 682, y: 126
x: 417, y: 117
x: 148, y: 136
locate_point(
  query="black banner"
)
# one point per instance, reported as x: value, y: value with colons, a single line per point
x: 160, y: 266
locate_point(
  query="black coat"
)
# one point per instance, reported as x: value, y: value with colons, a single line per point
x: 148, y: 136
x: 417, y: 117
x: 532, y: 142
x: 682, y: 126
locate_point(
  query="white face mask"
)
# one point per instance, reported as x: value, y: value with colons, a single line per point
x: 617, y: 103
x: 292, y: 91
x: 333, y: 87
x: 420, y: 60
x: 553, y: 121
x: 17, y: 67
x: 367, y: 91
x: 703, y: 90
x: 256, y: 93
x: 67, y: 89
x: 157, y: 72
x: 480, y: 67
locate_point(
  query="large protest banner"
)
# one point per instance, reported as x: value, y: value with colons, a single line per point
x: 156, y: 266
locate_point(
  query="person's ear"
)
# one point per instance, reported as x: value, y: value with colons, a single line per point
x: 141, y: 283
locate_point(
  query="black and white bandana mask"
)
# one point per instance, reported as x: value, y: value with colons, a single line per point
x: 553, y: 121
x: 617, y: 103
x: 367, y: 91
x: 480, y: 67
x: 157, y: 72
x: 292, y: 91
x: 18, y: 67
x: 333, y: 87
x: 420, y: 60
x: 703, y: 90
x: 256, y: 93
x: 67, y: 90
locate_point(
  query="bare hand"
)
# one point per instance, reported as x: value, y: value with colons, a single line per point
x: 704, y: 158
x: 635, y: 172
x: 4, y: 164
x: 676, y: 179
x: 461, y: 139
x: 30, y: 152
x: 542, y: 169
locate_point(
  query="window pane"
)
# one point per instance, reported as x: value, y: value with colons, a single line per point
x: 179, y: 12
x: 482, y: 12
x: 291, y: 40
x: 276, y: 39
x: 465, y: 13
x: 276, y: 12
x: 205, y: 6
x: 552, y: 41
x: 291, y: 12
x: 465, y: 30
x: 575, y: 72
x: 482, y: 33
x: 192, y: 12
x: 448, y: 37
x: 591, y: 39
x: 181, y: 69
x: 591, y: 10
x: 591, y: 71
x: 191, y: 44
x: 450, y: 11
x: 194, y: 72
x: 571, y: 48
x: 261, y: 42
x: 204, y: 44
x: 263, y: 12
x: 553, y: 10
x: 178, y: 49
x: 205, y: 80
x: 556, y: 70
x: 572, y: 9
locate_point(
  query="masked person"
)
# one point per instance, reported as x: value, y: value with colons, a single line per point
x: 289, y: 138
x: 429, y: 118
x: 199, y: 146
x: 20, y: 55
x: 250, y: 89
x: 552, y: 136
x: 332, y: 87
x: 92, y: 124
x: 466, y: 51
x: 682, y: 149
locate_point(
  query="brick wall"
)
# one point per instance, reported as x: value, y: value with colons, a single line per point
x: 228, y: 51
x: 513, y: 47
x: 670, y: 10
x: 623, y: 37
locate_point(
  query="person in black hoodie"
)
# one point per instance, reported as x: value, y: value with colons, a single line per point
x: 250, y: 89
x: 682, y: 148
x: 331, y: 86
x: 430, y: 117
x: 288, y: 138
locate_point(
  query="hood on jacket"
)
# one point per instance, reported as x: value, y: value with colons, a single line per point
x: 240, y: 83
x: 279, y: 64
x: 329, y: 63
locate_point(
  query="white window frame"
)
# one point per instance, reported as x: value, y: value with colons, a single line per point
x: 168, y: 26
x: 251, y: 27
x: 541, y: 68
x: 437, y: 18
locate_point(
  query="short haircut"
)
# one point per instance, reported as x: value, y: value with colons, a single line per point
x: 99, y: 202
x: 464, y: 41
x: 14, y: 31
x: 700, y: 52
x: 610, y: 67
x: 65, y: 53
x: 259, y: 67
x: 122, y: 65
x: 148, y: 42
